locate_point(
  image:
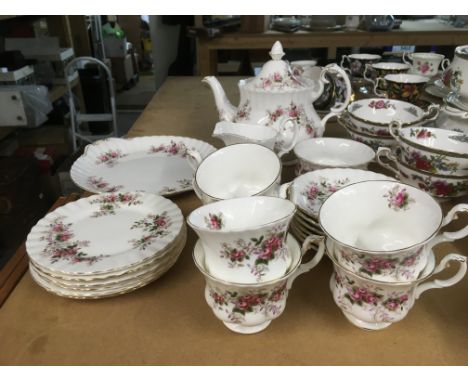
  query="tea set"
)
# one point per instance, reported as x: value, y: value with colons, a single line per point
x: 378, y: 232
x: 253, y: 232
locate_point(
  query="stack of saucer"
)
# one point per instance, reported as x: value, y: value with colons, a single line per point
x: 106, y: 245
x: 310, y: 190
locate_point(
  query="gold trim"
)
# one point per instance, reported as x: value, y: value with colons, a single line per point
x: 386, y: 124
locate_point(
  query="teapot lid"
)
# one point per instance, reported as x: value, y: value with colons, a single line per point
x: 276, y: 74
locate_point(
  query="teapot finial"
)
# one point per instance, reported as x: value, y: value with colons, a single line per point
x: 277, y: 52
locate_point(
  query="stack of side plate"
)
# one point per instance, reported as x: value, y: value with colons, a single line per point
x: 106, y: 245
x: 310, y: 190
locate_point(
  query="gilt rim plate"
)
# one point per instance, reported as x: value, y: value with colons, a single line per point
x: 104, y: 233
x: 155, y: 164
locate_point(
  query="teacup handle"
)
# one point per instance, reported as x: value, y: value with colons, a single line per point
x: 306, y: 267
x: 284, y: 190
x: 450, y: 236
x: 386, y: 152
x: 376, y: 90
x: 338, y: 107
x: 368, y: 73
x: 295, y: 130
x: 444, y: 283
x: 407, y: 58
x: 394, y: 128
x: 343, y: 59
x: 193, y: 158
x: 451, y: 111
x: 432, y: 112
x: 445, y: 64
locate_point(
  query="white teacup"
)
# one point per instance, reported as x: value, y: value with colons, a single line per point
x: 244, y: 238
x: 374, y: 305
x: 235, y: 171
x: 426, y: 64
x: 250, y: 308
x: 385, y: 230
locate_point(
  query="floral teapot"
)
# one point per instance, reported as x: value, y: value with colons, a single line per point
x: 277, y: 97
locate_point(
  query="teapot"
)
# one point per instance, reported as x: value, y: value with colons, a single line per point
x: 277, y: 93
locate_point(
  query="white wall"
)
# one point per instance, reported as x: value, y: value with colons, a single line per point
x: 164, y: 39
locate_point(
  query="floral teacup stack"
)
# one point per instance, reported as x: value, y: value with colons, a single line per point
x: 380, y: 236
x: 247, y: 258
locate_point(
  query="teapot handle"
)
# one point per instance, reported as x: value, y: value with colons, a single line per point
x: 385, y: 152
x: 286, y: 147
x: 306, y: 267
x: 338, y: 107
x: 444, y: 283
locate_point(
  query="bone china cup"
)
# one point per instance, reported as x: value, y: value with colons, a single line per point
x: 372, y: 116
x: 250, y: 308
x: 374, y: 305
x: 236, y: 171
x: 404, y: 87
x: 317, y: 153
x: 426, y: 64
x: 441, y: 186
x: 385, y: 230
x: 381, y: 69
x: 434, y: 150
x: 244, y: 238
x: 357, y: 62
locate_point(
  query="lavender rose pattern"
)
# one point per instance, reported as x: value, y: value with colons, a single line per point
x: 109, y: 203
x: 263, y: 249
x: 317, y: 192
x: 61, y: 245
x: 102, y: 185
x: 294, y: 111
x: 278, y: 81
x: 243, y: 112
x: 383, y: 306
x: 154, y: 226
x: 214, y: 221
x: 237, y: 305
x: 398, y: 199
x: 382, y: 266
x: 110, y: 157
x: 172, y: 149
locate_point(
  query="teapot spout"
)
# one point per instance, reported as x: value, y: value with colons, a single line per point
x: 226, y: 110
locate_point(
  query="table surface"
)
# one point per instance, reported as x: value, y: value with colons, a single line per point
x: 169, y: 323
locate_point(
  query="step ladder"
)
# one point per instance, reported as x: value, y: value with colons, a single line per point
x: 78, y: 118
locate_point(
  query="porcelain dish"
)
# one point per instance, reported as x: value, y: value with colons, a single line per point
x: 153, y: 164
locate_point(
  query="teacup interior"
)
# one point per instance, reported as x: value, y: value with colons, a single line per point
x: 406, y: 78
x: 334, y: 152
x: 384, y: 111
x: 238, y: 170
x: 242, y: 213
x: 380, y: 216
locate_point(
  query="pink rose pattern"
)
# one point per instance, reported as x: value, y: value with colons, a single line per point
x: 214, y: 221
x: 243, y: 112
x: 319, y: 191
x: 422, y: 134
x: 264, y: 249
x: 238, y: 305
x: 369, y: 297
x: 109, y: 203
x: 101, y: 185
x: 381, y: 104
x: 172, y: 149
x: 398, y: 198
x: 383, y: 265
x: 277, y: 81
x: 424, y: 66
x: 439, y: 188
x: 61, y: 245
x: 110, y: 157
x: 294, y: 111
x: 430, y: 163
x: 154, y: 226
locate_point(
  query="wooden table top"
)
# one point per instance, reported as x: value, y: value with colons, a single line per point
x: 169, y: 323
